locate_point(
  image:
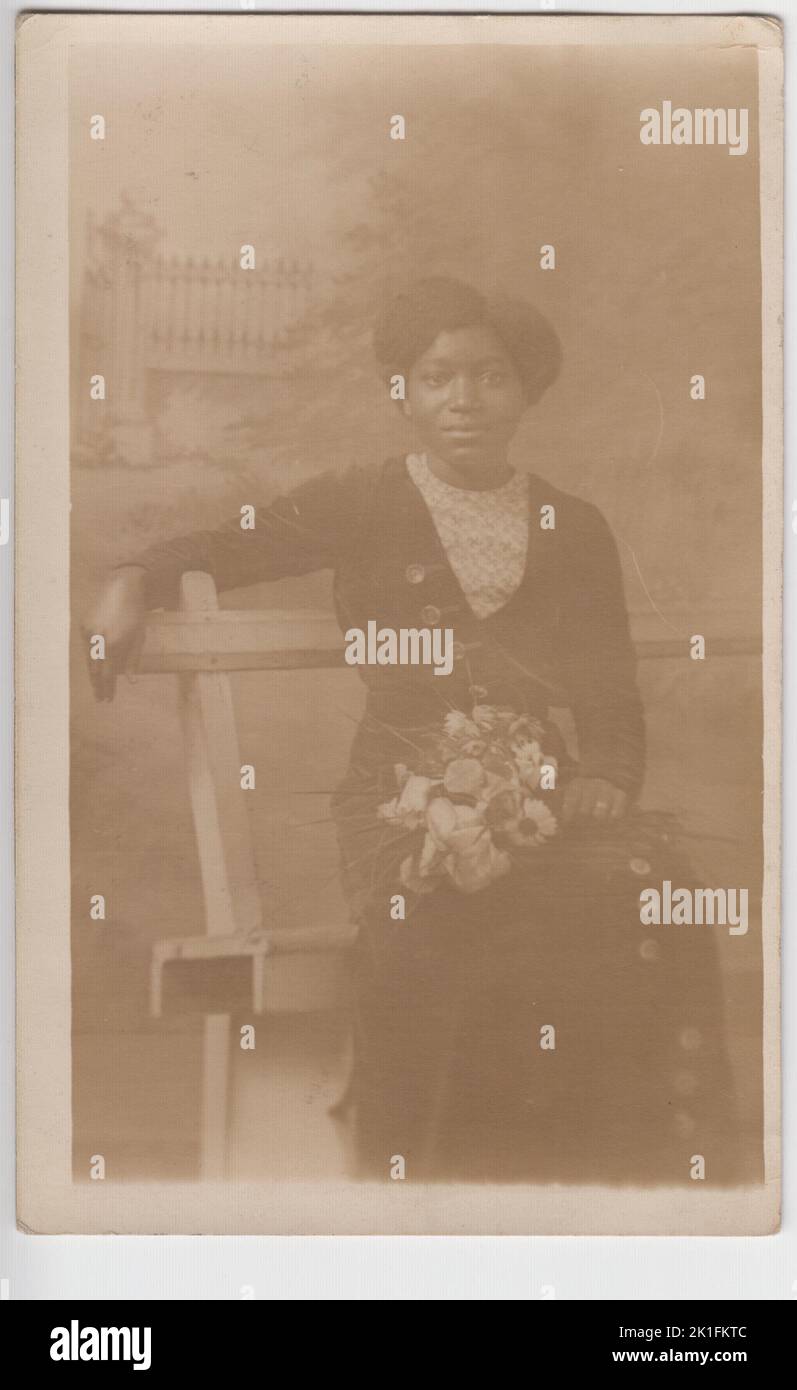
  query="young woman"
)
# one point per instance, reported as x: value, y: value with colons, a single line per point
x: 516, y: 1021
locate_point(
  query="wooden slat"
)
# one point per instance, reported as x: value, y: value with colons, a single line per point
x: 327, y: 936
x: 226, y: 855
x: 226, y: 640
x: 224, y: 838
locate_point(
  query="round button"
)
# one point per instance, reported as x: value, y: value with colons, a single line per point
x: 690, y: 1039
x: 431, y: 615
x: 415, y: 574
x: 650, y: 949
x: 639, y: 866
x: 478, y: 693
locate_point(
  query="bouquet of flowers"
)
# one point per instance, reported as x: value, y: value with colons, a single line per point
x: 486, y: 795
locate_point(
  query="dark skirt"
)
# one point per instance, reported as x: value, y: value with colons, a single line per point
x: 534, y: 1031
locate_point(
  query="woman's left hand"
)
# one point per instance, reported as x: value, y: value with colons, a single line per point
x: 592, y: 796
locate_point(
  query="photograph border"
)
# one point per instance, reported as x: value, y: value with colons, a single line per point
x: 48, y: 1200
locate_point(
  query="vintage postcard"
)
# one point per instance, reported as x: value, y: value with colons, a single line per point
x: 398, y: 624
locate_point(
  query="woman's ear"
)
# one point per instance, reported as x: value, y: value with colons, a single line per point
x: 406, y: 409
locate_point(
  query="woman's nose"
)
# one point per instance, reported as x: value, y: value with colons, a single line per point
x: 463, y: 394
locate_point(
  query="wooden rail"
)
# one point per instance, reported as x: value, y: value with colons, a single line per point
x: 214, y: 639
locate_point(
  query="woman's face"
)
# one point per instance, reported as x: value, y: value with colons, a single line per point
x: 465, y: 398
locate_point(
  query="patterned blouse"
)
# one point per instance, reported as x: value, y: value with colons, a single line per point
x: 485, y: 533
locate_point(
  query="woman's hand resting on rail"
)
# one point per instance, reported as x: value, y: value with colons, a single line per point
x: 118, y: 615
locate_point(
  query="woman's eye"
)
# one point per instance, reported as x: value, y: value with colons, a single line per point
x: 493, y: 378
x: 434, y: 380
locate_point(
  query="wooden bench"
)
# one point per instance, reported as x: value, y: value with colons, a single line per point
x: 293, y: 971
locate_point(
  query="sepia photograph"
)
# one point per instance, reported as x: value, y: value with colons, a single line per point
x: 412, y: 572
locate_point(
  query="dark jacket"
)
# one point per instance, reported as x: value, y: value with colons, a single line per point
x: 562, y: 638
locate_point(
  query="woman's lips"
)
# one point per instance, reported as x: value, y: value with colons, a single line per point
x: 464, y: 432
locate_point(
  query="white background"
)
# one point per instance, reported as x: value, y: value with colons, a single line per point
x: 208, y: 1267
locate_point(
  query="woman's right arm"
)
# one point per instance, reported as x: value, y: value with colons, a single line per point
x: 309, y: 528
